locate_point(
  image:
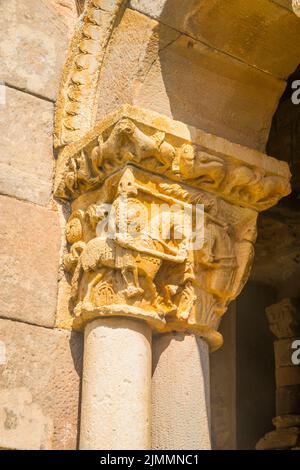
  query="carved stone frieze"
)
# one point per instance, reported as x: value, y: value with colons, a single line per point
x: 160, y: 145
x: 163, y: 221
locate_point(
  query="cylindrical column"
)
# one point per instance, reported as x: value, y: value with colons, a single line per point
x: 116, y: 386
x: 180, y: 393
x: 284, y: 323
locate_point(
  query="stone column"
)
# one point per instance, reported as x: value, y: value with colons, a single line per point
x: 116, y: 385
x: 180, y: 395
x: 223, y: 386
x: 284, y: 321
x: 161, y: 232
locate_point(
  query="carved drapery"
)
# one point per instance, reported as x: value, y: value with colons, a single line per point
x: 143, y: 164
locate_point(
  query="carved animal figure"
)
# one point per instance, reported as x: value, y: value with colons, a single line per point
x: 132, y: 254
x: 123, y: 243
x: 150, y: 146
x: 250, y: 184
x: 79, y: 172
x: 103, y: 252
x: 192, y: 163
x: 128, y: 142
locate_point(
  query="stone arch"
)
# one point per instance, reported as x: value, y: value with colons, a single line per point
x: 240, y: 57
x: 237, y: 68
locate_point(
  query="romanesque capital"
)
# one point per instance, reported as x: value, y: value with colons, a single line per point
x: 296, y: 7
x: 163, y: 220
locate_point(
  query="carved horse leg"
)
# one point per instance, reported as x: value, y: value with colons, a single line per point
x: 91, y: 285
x: 152, y: 289
x: 133, y: 289
x: 169, y: 291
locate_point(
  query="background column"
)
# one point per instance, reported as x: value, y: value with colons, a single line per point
x: 180, y: 393
x: 284, y: 323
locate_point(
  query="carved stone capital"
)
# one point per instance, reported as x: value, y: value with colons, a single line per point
x: 296, y: 7
x: 181, y: 153
x: 284, y: 318
x: 163, y: 221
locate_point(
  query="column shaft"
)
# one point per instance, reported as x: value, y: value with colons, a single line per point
x: 116, y: 388
x: 180, y: 393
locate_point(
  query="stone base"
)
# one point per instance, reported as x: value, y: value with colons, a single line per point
x: 281, y: 439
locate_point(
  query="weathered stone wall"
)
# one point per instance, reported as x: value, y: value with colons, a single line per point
x: 40, y: 366
x: 170, y: 56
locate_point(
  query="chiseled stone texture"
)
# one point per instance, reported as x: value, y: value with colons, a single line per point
x: 285, y: 4
x: 30, y: 241
x: 33, y: 44
x: 249, y: 30
x: 26, y: 155
x: 67, y: 10
x: 40, y: 373
x: 146, y: 65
